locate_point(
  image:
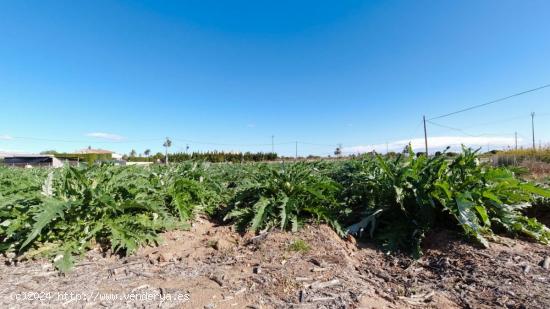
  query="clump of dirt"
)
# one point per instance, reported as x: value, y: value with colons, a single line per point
x: 215, y: 267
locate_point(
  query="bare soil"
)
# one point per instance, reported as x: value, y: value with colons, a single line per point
x: 215, y: 267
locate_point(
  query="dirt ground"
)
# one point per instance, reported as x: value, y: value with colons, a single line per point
x: 214, y: 267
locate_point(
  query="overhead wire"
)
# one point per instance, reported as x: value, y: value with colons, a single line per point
x: 490, y: 102
x: 464, y: 132
x: 82, y: 141
x: 227, y: 144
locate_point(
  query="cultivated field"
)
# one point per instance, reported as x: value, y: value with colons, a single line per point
x: 400, y: 231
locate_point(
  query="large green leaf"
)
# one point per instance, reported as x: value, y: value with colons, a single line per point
x: 51, y: 210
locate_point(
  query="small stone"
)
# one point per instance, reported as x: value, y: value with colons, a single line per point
x: 165, y: 257
x: 218, y: 278
x: 321, y: 285
x: 546, y: 263
x: 526, y: 269
x: 222, y: 245
x: 319, y: 262
x: 257, y: 270
x: 240, y: 291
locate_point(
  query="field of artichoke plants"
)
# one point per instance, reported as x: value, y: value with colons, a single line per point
x: 395, y: 201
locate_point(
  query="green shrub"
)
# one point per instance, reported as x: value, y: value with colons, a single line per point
x: 395, y: 199
x: 285, y: 196
x: 401, y: 199
x: 119, y: 207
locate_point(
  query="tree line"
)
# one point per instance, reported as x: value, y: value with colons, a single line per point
x: 209, y: 156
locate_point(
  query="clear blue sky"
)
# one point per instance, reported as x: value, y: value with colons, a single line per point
x: 124, y: 74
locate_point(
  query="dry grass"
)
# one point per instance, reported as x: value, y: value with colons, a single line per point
x: 520, y: 155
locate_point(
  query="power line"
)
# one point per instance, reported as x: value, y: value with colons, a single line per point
x: 394, y: 138
x: 462, y: 131
x: 315, y: 144
x: 83, y: 141
x: 505, y: 120
x: 497, y: 121
x: 137, y: 141
x: 450, y: 128
x: 176, y: 140
x: 228, y: 144
x: 491, y: 102
x: 158, y: 140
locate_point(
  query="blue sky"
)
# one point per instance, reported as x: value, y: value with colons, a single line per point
x: 122, y: 75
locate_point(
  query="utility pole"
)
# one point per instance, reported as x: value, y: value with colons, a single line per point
x: 272, y: 143
x: 296, y: 150
x: 533, y: 128
x: 516, y: 139
x: 425, y: 135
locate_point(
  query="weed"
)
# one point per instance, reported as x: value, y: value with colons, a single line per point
x: 299, y: 245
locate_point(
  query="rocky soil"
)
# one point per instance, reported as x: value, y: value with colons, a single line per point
x: 214, y: 267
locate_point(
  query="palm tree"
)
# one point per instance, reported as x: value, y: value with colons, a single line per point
x: 147, y: 152
x: 167, y: 144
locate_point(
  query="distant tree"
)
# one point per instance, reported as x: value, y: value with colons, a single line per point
x: 220, y: 156
x: 147, y: 152
x: 132, y: 153
x: 91, y: 158
x: 338, y: 151
x: 49, y: 152
x: 157, y: 157
x: 167, y: 144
